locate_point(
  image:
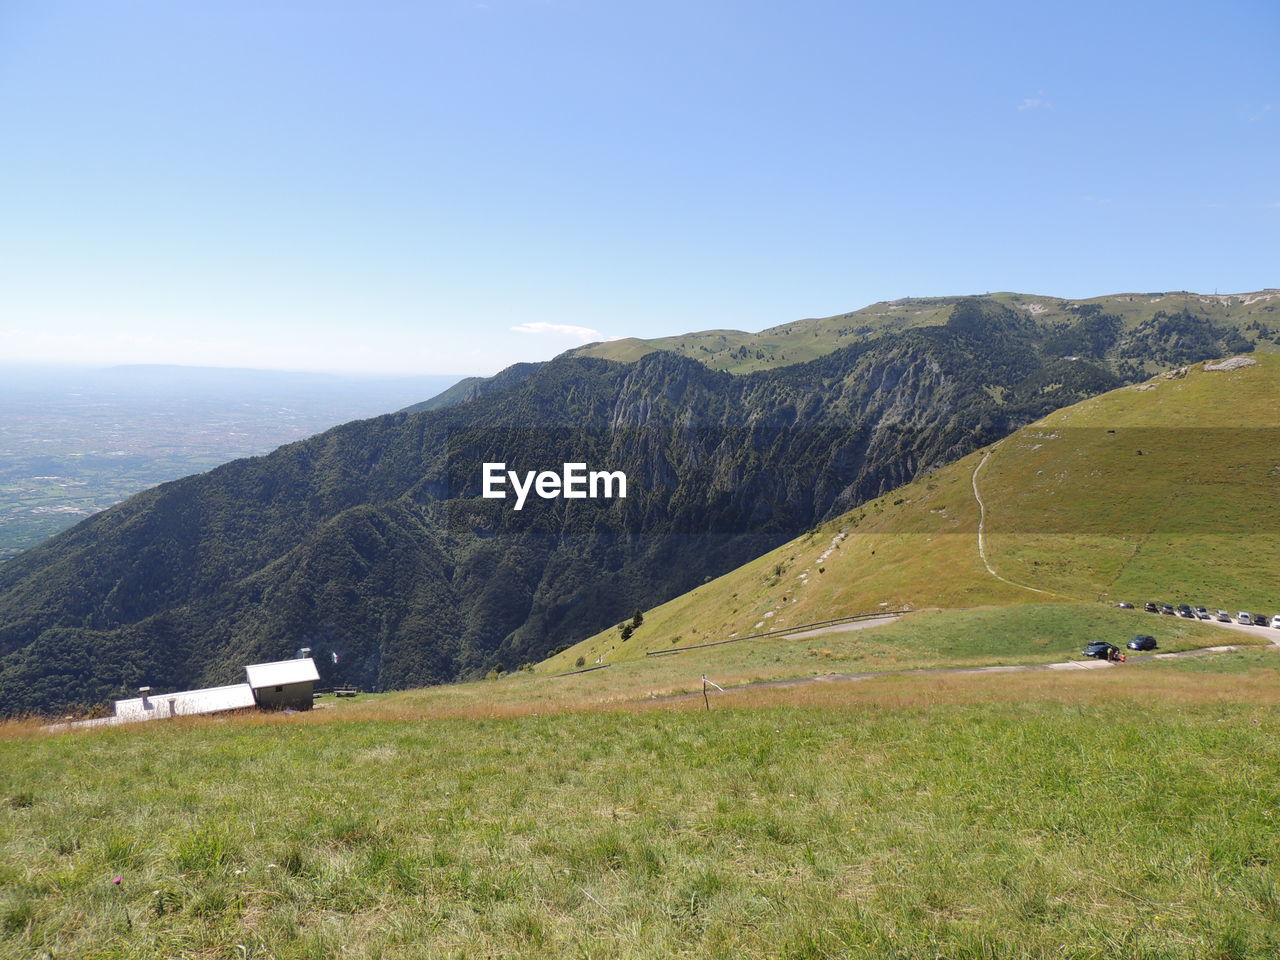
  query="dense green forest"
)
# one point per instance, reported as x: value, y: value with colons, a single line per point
x: 371, y: 541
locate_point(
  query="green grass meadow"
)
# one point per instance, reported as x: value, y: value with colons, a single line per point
x: 1261, y: 662
x: 928, y: 639
x: 1128, y: 814
x: 988, y: 636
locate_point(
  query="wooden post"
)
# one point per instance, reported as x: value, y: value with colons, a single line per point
x: 706, y: 683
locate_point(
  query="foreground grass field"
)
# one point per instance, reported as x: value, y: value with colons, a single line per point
x: 1123, y: 813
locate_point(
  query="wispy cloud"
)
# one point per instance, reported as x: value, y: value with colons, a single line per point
x: 582, y: 334
x: 1038, y: 102
x: 1255, y: 117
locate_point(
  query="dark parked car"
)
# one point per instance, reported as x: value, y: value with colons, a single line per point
x: 1142, y: 642
x: 1185, y: 611
x: 1101, y: 650
x: 1150, y: 607
x: 1165, y: 608
x: 1124, y: 606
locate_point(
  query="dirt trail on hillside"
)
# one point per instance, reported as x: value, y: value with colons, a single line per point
x: 982, y: 520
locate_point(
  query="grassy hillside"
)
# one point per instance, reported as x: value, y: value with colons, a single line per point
x: 1257, y: 315
x: 1181, y: 502
x: 1074, y: 514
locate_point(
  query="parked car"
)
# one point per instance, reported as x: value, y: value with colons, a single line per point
x: 1142, y: 642
x: 1224, y: 616
x: 1244, y: 617
x: 1101, y: 650
x: 1260, y: 620
x: 1202, y: 613
x: 1151, y: 607
x: 1185, y: 610
x: 1275, y: 621
x: 1166, y: 608
x: 1124, y: 606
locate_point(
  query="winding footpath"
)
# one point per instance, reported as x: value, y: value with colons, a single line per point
x: 982, y: 522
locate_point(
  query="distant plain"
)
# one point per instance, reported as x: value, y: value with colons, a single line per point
x: 74, y: 441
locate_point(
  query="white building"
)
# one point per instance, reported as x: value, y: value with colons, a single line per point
x: 285, y: 684
x: 186, y: 703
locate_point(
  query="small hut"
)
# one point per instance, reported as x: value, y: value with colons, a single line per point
x: 283, y: 685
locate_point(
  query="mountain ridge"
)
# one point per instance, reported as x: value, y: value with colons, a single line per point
x: 741, y: 351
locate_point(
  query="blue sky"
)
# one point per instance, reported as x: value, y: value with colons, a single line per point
x: 449, y: 187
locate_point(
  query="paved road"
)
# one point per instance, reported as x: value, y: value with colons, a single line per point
x: 1266, y: 632
x: 843, y: 627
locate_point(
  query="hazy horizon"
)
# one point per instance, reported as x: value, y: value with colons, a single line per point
x: 364, y: 374
x: 125, y: 365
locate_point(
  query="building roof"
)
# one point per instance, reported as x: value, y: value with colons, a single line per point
x: 281, y: 672
x: 185, y: 703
